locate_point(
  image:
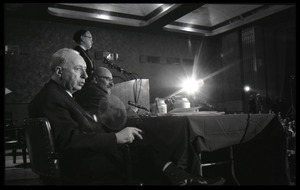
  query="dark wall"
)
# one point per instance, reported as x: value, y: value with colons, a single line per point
x: 36, y: 40
x: 28, y: 70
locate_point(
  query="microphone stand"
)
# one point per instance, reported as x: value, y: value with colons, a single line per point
x: 118, y: 68
x: 137, y: 106
x: 246, y: 129
x: 248, y: 120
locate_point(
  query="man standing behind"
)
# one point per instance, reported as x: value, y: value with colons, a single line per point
x: 84, y: 40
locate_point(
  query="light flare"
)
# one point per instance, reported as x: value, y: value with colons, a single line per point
x: 192, y: 85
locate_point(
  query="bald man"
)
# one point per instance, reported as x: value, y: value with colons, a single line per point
x: 87, y: 151
x: 95, y: 98
x: 99, y: 86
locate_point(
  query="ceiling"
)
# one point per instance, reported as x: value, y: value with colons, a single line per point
x: 190, y: 18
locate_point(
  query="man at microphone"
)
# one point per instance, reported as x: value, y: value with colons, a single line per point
x: 84, y: 41
x: 96, y: 94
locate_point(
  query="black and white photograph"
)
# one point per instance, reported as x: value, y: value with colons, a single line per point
x: 149, y: 94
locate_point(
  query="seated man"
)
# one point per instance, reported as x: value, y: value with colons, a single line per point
x: 97, y: 94
x: 87, y: 151
x: 95, y: 98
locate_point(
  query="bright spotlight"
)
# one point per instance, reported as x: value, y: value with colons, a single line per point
x: 191, y: 85
x: 247, y: 88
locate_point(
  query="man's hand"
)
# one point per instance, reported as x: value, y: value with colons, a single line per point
x: 128, y: 134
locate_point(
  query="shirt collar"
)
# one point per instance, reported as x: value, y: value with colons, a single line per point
x: 84, y: 48
x: 69, y: 93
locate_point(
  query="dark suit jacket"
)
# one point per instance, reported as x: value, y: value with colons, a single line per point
x: 97, y: 102
x: 74, y: 129
x: 87, y: 59
x: 89, y: 97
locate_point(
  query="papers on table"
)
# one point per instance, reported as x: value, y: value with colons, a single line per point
x: 200, y: 113
x: 193, y: 111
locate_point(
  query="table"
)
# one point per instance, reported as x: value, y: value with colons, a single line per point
x: 260, y: 158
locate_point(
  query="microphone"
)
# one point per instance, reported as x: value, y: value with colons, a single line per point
x: 108, y: 59
x: 113, y: 65
x: 208, y: 106
x: 137, y: 106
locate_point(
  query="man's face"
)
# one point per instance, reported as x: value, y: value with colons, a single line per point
x: 105, y: 82
x: 74, y: 74
x: 88, y: 40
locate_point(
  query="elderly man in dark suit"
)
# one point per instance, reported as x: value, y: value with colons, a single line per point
x: 87, y: 150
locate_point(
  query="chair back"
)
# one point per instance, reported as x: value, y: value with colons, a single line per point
x: 44, y: 161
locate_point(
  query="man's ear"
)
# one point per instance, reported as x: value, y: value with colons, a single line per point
x: 95, y: 79
x: 82, y: 38
x: 58, y: 71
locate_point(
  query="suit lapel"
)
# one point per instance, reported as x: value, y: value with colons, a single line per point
x: 75, y: 104
x: 87, y: 55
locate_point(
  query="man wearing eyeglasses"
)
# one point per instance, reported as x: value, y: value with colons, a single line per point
x: 94, y: 91
x: 84, y: 40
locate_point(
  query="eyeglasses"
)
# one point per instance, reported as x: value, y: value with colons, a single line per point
x: 89, y: 37
x: 107, y: 78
